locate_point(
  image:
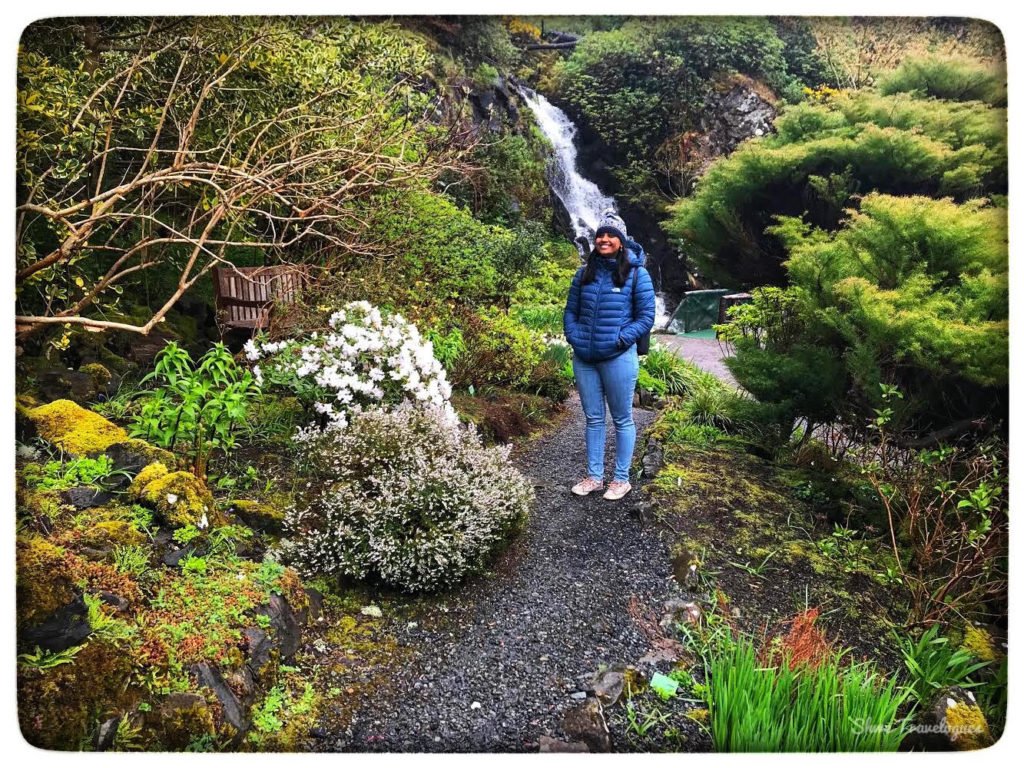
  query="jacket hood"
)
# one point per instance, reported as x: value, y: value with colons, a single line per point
x: 637, y: 257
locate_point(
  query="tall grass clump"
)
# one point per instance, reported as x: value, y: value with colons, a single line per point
x: 777, y: 708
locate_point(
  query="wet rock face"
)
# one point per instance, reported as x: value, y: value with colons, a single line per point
x: 733, y: 117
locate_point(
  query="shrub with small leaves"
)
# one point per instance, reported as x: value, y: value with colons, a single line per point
x: 406, y: 498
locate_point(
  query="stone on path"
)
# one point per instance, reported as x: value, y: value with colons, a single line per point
x: 586, y: 723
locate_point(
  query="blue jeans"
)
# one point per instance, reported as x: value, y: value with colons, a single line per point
x: 612, y: 381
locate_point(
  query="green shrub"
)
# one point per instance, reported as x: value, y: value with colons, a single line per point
x: 955, y: 79
x: 408, y: 499
x: 821, y: 158
x: 499, y: 351
x: 201, y: 408
x: 674, y: 374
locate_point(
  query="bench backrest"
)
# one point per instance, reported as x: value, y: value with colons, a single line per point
x: 245, y: 295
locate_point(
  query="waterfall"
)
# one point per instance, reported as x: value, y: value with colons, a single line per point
x: 581, y: 197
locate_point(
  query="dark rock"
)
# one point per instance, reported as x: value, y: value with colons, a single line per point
x: 586, y: 723
x: 116, y: 601
x: 608, y: 685
x: 318, y: 733
x: 210, y: 677
x: 548, y: 744
x: 654, y: 458
x: 680, y: 612
x: 957, y: 723
x: 61, y: 384
x: 84, y: 497
x: 105, y: 734
x: 732, y: 118
x: 174, y: 557
x: 68, y: 627
x: 242, y: 683
x: 259, y: 647
x: 287, y: 631
x: 132, y: 455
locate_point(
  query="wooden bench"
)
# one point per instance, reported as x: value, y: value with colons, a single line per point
x: 245, y: 295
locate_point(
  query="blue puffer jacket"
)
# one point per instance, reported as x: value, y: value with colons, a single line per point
x: 602, y: 320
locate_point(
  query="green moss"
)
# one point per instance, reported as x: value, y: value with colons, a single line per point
x: 968, y: 728
x: 180, y: 499
x: 39, y: 503
x: 148, y: 474
x: 698, y: 715
x: 43, y: 584
x: 99, y: 373
x: 183, y: 720
x: 60, y: 708
x: 74, y: 429
x: 262, y: 517
x: 978, y: 642
x: 113, y: 533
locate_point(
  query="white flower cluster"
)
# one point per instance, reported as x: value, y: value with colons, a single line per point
x: 366, y: 361
x: 412, y: 501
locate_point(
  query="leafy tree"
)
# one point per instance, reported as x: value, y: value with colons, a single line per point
x: 174, y: 145
x: 639, y: 84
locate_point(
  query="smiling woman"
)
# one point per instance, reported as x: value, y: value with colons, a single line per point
x: 610, y: 306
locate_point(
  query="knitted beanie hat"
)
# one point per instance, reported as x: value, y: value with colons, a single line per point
x: 613, y: 224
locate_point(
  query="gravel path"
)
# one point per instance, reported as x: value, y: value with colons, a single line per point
x: 515, y: 646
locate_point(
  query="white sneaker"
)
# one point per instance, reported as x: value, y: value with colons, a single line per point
x: 616, y: 490
x: 587, y: 485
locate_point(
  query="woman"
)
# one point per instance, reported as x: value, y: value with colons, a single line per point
x: 610, y: 306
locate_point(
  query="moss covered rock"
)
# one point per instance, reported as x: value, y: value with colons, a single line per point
x: 60, y: 708
x: 979, y: 643
x: 74, y: 429
x: 181, y: 499
x: 109, y: 534
x: 148, y: 474
x: 99, y: 373
x: 133, y: 454
x: 255, y: 514
x: 43, y: 583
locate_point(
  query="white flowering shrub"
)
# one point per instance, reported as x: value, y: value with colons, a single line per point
x: 407, y: 498
x: 366, y: 361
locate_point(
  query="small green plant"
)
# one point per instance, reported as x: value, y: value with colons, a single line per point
x: 640, y: 722
x: 756, y: 570
x: 103, y: 625
x: 186, y: 534
x: 40, y: 659
x: 269, y: 576
x: 265, y: 717
x: 195, y: 565
x: 132, y: 560
x: 932, y: 664
x: 61, y: 475
x: 203, y: 407
x: 845, y: 547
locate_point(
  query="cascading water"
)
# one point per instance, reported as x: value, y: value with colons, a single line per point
x: 581, y: 197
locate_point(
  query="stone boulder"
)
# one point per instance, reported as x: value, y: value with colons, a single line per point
x: 74, y: 429
x: 586, y: 723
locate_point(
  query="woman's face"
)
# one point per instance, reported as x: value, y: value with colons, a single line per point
x: 607, y: 244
